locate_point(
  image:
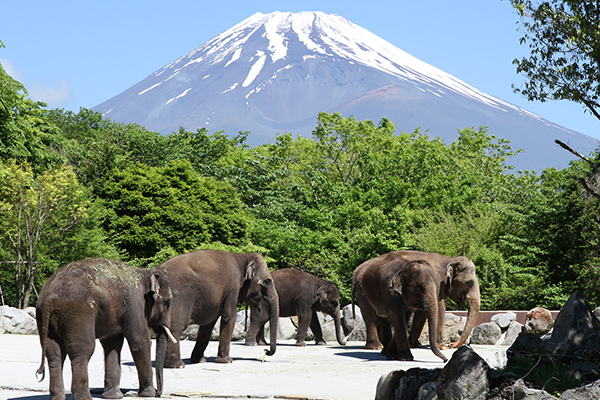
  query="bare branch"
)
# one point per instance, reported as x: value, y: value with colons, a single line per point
x: 586, y: 159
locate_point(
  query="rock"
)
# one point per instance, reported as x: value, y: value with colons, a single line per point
x: 526, y: 351
x: 465, y: 376
x: 503, y: 320
x: 190, y: 333
x: 596, y: 312
x: 539, y: 321
x: 518, y: 390
x: 427, y: 391
x: 584, y: 371
x: 17, y: 321
x: 512, y: 332
x: 573, y: 326
x: 405, y: 384
x: 453, y: 327
x: 486, y: 333
x: 590, y: 391
x: 355, y: 327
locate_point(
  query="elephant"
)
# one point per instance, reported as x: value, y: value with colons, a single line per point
x: 109, y: 300
x: 301, y: 294
x: 457, y: 280
x: 388, y: 290
x: 208, y: 284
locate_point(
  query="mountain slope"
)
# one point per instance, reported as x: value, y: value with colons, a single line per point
x: 274, y: 73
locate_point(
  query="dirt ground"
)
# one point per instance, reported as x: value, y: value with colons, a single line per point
x: 314, y: 372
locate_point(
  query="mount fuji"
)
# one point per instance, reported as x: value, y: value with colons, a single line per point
x: 275, y: 72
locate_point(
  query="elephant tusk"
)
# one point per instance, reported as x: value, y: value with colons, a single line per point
x: 169, y: 334
x: 263, y: 357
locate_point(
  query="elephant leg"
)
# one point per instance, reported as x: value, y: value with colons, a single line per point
x: 225, y: 334
x: 385, y: 335
x: 204, y: 332
x: 56, y: 355
x: 419, y: 318
x: 112, y: 367
x: 256, y: 331
x: 315, y: 327
x: 80, y: 351
x: 440, y: 324
x: 140, y: 347
x: 303, y: 323
x: 399, y: 347
x: 173, y: 353
x: 371, y: 326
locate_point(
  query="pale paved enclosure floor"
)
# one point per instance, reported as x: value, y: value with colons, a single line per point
x: 313, y: 372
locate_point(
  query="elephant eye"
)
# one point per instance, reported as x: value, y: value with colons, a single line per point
x: 469, y: 284
x: 334, y: 303
x: 168, y: 304
x: 267, y: 282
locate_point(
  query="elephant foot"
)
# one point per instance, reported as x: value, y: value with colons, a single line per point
x: 197, y: 360
x: 374, y: 346
x: 400, y: 356
x: 147, y: 392
x: 250, y: 343
x: 224, y: 360
x: 114, y: 393
x: 58, y: 396
x: 176, y: 364
x: 442, y: 346
x: 301, y: 344
x: 321, y: 343
x: 262, y: 343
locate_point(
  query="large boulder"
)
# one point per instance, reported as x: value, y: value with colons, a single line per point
x: 511, y: 334
x: 590, y: 391
x: 538, y: 321
x: 355, y: 326
x: 518, y: 390
x: 466, y: 376
x: 575, y: 326
x: 486, y: 333
x: 13, y: 320
x: 503, y: 320
x: 415, y: 383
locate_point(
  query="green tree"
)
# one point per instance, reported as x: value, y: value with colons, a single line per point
x: 564, y: 39
x: 36, y: 211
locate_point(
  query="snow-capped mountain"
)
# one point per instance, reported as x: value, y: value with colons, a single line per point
x: 275, y: 72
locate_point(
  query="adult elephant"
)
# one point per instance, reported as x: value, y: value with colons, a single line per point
x: 301, y: 294
x: 388, y: 290
x: 105, y: 299
x: 208, y: 284
x: 457, y: 280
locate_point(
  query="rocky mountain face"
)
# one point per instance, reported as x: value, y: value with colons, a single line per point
x: 274, y: 73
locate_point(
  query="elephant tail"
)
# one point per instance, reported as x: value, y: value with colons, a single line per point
x: 43, y: 324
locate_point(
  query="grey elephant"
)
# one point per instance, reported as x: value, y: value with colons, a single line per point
x: 110, y: 300
x: 208, y: 284
x: 301, y: 294
x: 387, y: 291
x: 457, y: 280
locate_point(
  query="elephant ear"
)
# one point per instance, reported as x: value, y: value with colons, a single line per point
x: 321, y: 294
x: 249, y: 270
x: 396, y: 283
x: 154, y: 285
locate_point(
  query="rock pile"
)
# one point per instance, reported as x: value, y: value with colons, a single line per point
x: 13, y: 320
x: 567, y: 360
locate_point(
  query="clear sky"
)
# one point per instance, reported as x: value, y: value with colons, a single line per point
x: 73, y: 54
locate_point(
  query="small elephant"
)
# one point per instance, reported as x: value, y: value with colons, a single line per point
x: 301, y: 294
x: 387, y: 291
x: 208, y: 284
x: 105, y: 299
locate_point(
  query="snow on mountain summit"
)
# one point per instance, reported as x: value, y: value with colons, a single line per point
x: 275, y: 72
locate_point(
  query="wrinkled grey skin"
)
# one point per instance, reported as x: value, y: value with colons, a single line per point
x: 208, y: 284
x: 301, y: 294
x: 387, y: 292
x: 110, y: 300
x: 456, y: 278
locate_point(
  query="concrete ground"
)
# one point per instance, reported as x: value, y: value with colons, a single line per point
x: 313, y: 372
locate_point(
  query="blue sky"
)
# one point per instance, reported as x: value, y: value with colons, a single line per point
x: 74, y: 54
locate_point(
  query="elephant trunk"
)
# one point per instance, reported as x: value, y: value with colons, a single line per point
x: 338, y: 328
x: 161, y: 351
x: 473, y: 303
x: 431, y: 308
x: 274, y: 321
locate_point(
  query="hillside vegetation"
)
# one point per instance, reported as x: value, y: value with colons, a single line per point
x: 76, y: 185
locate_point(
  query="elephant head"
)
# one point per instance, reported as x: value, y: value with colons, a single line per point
x: 327, y: 300
x: 259, y: 280
x: 463, y: 285
x: 416, y: 286
x: 157, y: 297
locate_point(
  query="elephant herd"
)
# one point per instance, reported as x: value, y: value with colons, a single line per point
x: 96, y: 298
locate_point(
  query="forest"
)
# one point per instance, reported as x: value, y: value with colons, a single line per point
x: 76, y: 185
